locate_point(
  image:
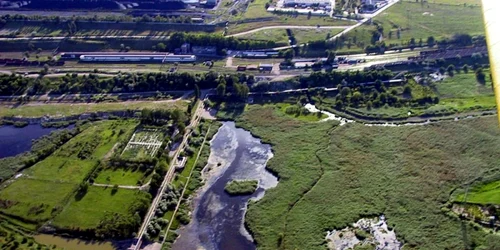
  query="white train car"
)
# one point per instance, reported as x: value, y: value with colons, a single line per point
x: 138, y: 58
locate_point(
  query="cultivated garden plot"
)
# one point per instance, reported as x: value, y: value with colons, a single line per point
x: 143, y: 144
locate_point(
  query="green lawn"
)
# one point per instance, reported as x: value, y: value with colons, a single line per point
x: 482, y: 194
x: 97, y: 202
x: 421, y: 21
x: 65, y: 165
x: 79, y: 108
x: 307, y: 35
x: 35, y: 200
x: 300, y: 20
x: 120, y: 176
x: 332, y: 176
x: 464, y: 85
x: 41, y: 191
x: 278, y: 36
x: 453, y: 2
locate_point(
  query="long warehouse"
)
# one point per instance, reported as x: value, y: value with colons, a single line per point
x: 145, y: 58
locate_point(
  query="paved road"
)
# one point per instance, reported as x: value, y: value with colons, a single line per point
x: 348, y: 28
x: 287, y: 27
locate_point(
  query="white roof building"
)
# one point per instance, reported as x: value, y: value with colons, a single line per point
x: 307, y: 2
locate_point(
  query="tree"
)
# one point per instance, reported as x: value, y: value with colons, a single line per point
x: 431, y: 41
x: 480, y: 76
x: 442, y: 70
x: 465, y: 68
x: 356, y: 98
x: 369, y: 105
x: 161, y: 47
x: 407, y: 90
x: 345, y: 91
x: 451, y: 70
x: 196, y: 92
x: 221, y: 88
x: 412, y: 43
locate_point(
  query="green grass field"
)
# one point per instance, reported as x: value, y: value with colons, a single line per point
x: 80, y: 108
x: 464, y: 85
x: 307, y: 35
x: 482, y: 194
x: 278, y: 36
x: 120, y: 176
x: 300, y: 20
x: 420, y: 21
x: 65, y: 165
x: 460, y: 93
x: 333, y: 176
x: 34, y: 200
x: 91, y: 209
x: 41, y: 192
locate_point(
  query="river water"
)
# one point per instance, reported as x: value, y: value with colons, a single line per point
x: 218, y: 219
x: 14, y: 140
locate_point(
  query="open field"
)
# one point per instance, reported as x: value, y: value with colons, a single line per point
x: 333, y: 176
x: 307, y: 35
x: 484, y: 194
x: 65, y: 109
x: 460, y: 93
x: 421, y: 21
x: 120, y: 176
x: 286, y: 20
x: 45, y: 187
x: 79, y: 156
x: 34, y: 200
x: 453, y: 2
x: 97, y: 203
x: 464, y: 85
x: 278, y: 36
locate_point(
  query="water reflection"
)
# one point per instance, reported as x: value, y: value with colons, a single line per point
x: 218, y: 218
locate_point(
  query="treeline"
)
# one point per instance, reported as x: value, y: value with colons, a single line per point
x: 129, y: 82
x: 375, y: 46
x: 220, y: 42
x: 345, y: 78
x: 381, y: 94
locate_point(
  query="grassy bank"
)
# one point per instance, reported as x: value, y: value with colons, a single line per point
x: 241, y: 187
x: 420, y: 20
x: 332, y: 176
x: 43, y: 190
x: 66, y: 109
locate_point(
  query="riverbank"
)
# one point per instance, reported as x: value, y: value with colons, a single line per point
x: 235, y: 154
x: 335, y: 175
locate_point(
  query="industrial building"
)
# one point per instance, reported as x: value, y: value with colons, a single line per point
x: 76, y: 55
x: 144, y: 58
x: 265, y: 67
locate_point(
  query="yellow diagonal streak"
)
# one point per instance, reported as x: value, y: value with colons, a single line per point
x: 491, y: 11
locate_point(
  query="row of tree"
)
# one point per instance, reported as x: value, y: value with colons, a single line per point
x: 129, y: 82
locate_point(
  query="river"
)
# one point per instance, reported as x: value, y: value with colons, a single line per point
x: 218, y: 219
x: 14, y: 140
